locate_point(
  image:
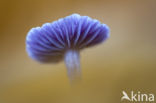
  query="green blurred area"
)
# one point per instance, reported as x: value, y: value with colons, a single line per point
x: 126, y: 61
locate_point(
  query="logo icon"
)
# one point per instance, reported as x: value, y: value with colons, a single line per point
x: 125, y: 96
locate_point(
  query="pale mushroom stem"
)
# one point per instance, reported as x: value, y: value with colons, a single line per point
x: 72, y: 61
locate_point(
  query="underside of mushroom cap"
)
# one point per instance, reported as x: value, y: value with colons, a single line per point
x: 50, y: 42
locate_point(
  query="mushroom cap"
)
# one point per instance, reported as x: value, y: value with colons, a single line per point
x: 50, y: 42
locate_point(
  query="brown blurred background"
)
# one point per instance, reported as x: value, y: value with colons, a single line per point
x: 126, y: 61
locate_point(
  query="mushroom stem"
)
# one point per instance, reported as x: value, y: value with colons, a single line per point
x: 72, y: 61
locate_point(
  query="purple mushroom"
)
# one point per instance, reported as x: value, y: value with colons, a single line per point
x: 63, y: 39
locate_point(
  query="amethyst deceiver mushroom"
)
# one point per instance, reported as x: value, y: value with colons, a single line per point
x: 63, y: 39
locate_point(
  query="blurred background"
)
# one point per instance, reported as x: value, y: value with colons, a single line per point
x: 126, y: 61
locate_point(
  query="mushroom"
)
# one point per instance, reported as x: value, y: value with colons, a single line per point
x: 63, y: 39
